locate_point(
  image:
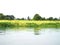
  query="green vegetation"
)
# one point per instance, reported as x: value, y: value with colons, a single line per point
x: 36, y: 17
x: 37, y: 21
x: 30, y: 23
x: 6, y: 17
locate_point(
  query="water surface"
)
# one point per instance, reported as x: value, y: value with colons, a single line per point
x: 30, y: 36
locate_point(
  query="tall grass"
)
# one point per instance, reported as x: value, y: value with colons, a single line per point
x: 26, y: 23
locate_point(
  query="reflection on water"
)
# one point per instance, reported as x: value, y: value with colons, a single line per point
x: 36, y: 31
x: 2, y: 30
x: 30, y: 36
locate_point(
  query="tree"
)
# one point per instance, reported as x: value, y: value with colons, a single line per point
x: 59, y: 18
x: 18, y: 19
x: 55, y: 19
x: 22, y: 19
x: 1, y: 16
x: 50, y: 18
x: 43, y: 18
x: 12, y: 17
x: 9, y: 17
x: 28, y: 18
x: 37, y: 17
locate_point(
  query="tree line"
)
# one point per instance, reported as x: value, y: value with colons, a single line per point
x: 36, y: 17
x: 6, y: 17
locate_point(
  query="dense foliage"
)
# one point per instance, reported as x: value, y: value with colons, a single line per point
x: 36, y: 17
x: 6, y: 17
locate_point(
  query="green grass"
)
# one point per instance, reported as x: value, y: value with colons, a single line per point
x: 31, y: 23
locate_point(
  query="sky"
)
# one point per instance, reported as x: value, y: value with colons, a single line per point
x: 25, y: 8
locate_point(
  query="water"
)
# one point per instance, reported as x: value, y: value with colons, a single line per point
x: 30, y: 36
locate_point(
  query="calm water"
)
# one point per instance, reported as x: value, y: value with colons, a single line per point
x: 30, y: 36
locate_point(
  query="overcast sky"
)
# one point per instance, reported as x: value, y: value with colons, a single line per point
x: 24, y: 8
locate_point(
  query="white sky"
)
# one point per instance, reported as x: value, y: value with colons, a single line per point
x: 24, y: 8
